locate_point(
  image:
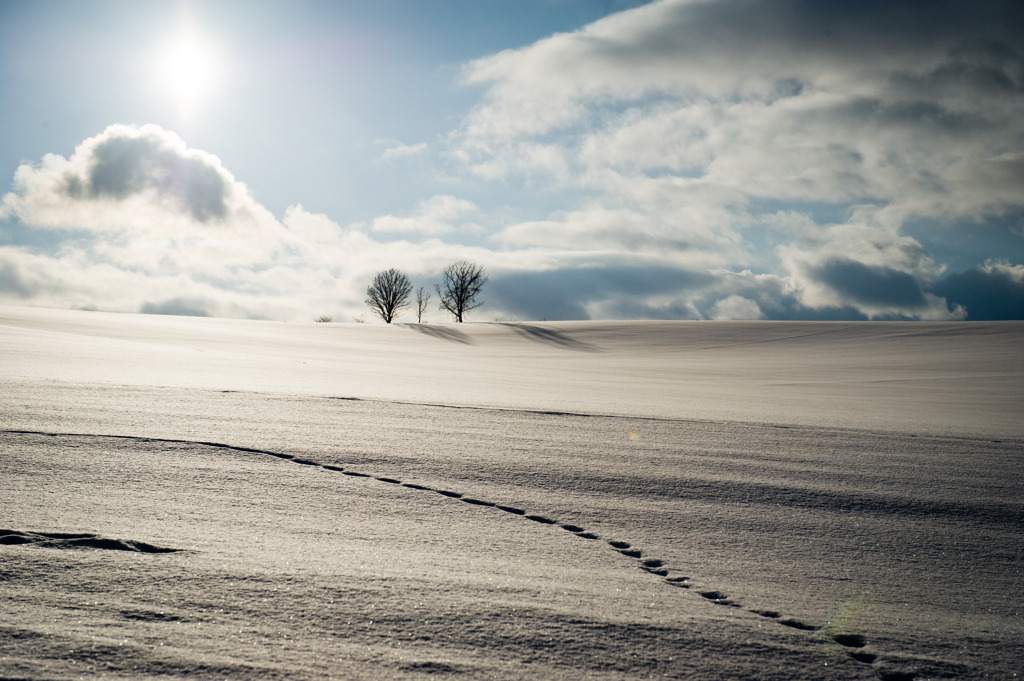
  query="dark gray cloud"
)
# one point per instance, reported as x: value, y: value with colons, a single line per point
x: 859, y: 31
x: 636, y: 292
x: 122, y: 166
x: 564, y: 294
x: 185, y: 307
x: 786, y: 41
x: 869, y: 284
x: 987, y: 292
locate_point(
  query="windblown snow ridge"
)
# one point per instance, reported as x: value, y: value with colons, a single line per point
x: 68, y: 540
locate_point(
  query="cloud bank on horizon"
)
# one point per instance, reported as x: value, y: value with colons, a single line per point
x: 725, y: 159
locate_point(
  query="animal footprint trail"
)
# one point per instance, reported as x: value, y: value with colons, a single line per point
x: 853, y: 643
x: 653, y: 566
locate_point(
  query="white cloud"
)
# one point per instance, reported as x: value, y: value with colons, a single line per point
x: 624, y: 232
x: 432, y: 216
x: 135, y: 220
x: 401, y: 151
x: 152, y: 203
x: 1014, y: 273
x: 736, y: 307
x: 72, y: 279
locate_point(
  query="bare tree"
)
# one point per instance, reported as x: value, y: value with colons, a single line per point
x: 388, y: 294
x: 422, y: 300
x: 460, y: 285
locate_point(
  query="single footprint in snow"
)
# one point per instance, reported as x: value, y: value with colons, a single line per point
x: 771, y: 614
x: 797, y: 624
x: 849, y: 640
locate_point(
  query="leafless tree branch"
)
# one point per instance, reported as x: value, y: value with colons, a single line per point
x: 460, y: 285
x: 388, y: 294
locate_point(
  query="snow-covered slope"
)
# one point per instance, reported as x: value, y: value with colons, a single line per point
x: 218, y: 498
x: 936, y: 378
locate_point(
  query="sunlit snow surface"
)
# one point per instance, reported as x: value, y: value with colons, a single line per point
x: 216, y: 498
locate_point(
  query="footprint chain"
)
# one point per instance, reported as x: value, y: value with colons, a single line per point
x: 854, y: 644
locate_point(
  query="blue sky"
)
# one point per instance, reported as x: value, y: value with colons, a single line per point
x: 726, y: 159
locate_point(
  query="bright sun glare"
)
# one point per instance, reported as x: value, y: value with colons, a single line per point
x: 189, y: 70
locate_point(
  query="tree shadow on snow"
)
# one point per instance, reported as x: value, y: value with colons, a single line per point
x: 442, y: 332
x: 550, y: 337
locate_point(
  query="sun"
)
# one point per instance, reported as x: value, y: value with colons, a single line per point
x: 189, y: 70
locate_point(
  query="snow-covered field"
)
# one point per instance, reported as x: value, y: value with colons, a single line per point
x: 218, y: 498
